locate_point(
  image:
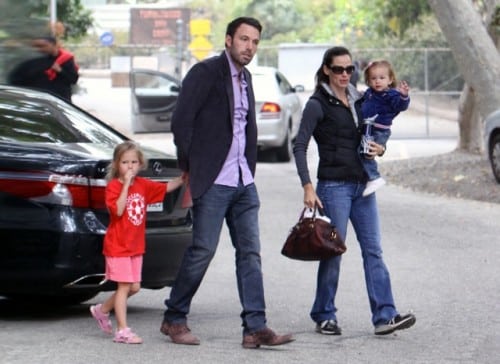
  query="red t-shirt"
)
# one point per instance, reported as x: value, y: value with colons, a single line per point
x: 125, y: 236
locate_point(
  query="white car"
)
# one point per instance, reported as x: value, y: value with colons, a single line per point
x: 278, y: 111
x: 278, y: 106
x: 492, y: 141
x: 153, y: 98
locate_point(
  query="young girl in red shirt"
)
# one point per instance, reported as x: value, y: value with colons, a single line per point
x: 127, y: 196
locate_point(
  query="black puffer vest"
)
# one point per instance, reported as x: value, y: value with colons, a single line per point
x: 338, y: 138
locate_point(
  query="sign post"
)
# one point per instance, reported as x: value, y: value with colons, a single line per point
x: 179, y: 48
x: 53, y: 13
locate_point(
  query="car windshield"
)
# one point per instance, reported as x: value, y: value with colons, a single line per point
x: 264, y: 86
x: 45, y: 119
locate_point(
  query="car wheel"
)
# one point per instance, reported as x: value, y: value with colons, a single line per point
x: 494, y: 154
x: 285, y: 151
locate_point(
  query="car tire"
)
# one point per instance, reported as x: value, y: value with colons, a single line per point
x: 285, y: 151
x: 494, y: 156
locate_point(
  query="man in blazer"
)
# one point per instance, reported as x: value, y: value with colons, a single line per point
x: 215, y: 133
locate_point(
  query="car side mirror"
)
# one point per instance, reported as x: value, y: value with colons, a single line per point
x: 298, y: 88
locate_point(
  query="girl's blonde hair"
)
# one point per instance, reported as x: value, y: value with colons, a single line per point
x: 380, y: 63
x: 120, y: 149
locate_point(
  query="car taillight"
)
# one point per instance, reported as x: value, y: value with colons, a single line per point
x: 69, y: 190
x: 79, y: 191
x: 97, y: 193
x: 270, y: 107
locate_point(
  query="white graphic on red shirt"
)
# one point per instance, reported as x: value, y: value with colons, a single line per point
x: 136, y: 208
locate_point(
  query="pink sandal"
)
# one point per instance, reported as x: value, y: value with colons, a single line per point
x: 102, y: 319
x: 126, y: 336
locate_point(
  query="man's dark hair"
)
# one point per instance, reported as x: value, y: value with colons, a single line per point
x: 48, y: 38
x: 233, y: 25
x: 328, y: 57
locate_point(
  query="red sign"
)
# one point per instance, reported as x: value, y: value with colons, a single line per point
x: 157, y: 25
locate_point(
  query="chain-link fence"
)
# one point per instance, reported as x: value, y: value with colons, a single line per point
x: 431, y: 72
x: 426, y: 69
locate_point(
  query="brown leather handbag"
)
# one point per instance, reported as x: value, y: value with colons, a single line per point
x: 313, y: 238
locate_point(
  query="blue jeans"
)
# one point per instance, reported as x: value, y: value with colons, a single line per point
x: 343, y: 201
x: 240, y: 207
x: 380, y: 136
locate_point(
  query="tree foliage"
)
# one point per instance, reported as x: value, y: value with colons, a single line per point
x: 268, y: 11
x: 355, y: 23
x: 397, y: 16
x: 75, y: 18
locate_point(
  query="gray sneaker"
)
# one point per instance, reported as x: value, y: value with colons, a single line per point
x: 398, y: 322
x: 328, y: 327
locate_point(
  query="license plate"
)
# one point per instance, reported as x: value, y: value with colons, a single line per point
x: 155, y: 207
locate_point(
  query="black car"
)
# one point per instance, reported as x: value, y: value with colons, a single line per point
x: 492, y: 142
x: 53, y: 162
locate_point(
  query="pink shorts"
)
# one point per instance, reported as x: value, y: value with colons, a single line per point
x: 124, y: 269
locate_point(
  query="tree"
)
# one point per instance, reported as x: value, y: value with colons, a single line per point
x: 71, y: 13
x: 402, y: 14
x: 470, y: 126
x: 268, y: 11
x: 478, y: 60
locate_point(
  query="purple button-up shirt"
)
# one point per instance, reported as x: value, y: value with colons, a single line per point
x: 236, y: 165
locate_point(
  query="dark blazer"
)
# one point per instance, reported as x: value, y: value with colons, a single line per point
x: 32, y: 74
x: 202, y: 122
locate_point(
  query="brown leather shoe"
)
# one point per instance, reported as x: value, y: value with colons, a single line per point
x: 265, y: 337
x: 179, y: 333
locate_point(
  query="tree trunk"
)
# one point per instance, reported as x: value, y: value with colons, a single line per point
x: 469, y: 125
x: 478, y: 60
x: 469, y: 121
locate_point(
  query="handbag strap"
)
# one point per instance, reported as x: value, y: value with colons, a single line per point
x: 316, y: 208
x: 321, y: 211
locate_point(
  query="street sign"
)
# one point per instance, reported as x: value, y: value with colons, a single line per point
x: 200, y: 46
x: 106, y: 39
x: 156, y: 25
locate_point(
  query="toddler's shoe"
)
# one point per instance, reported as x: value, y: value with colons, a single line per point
x: 372, y: 186
x: 102, y: 319
x: 127, y: 336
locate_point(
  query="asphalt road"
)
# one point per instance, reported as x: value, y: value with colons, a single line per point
x: 442, y: 254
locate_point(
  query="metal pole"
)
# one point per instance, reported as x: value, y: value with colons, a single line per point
x: 180, y: 47
x: 53, y: 14
x: 426, y: 75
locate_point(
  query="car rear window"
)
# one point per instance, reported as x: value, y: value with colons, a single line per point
x: 48, y: 120
x: 264, y: 86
